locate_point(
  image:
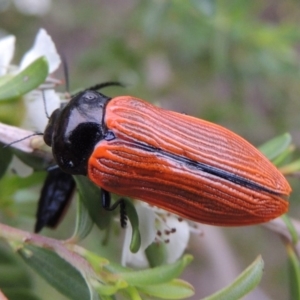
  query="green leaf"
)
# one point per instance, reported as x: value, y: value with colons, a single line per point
x: 56, y: 271
x: 283, y: 156
x: 175, y: 289
x: 95, y: 260
x: 243, y: 284
x: 12, y: 112
x: 291, y: 228
x: 98, y: 287
x: 84, y: 223
x: 291, y: 168
x: 110, y: 290
x: 17, y: 294
x: 6, y: 257
x: 114, y: 267
x: 135, y: 242
x: 133, y: 293
x: 294, y: 273
x: 13, y: 276
x: 276, y: 146
x: 156, y: 254
x: 24, y: 82
x: 107, y: 298
x: 90, y: 196
x: 156, y: 275
x: 13, y: 273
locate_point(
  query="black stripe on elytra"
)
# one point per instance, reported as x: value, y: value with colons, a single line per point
x: 207, y: 169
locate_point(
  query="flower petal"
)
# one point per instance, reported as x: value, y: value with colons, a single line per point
x: 43, y: 46
x: 36, y: 118
x: 7, y: 49
x: 134, y: 259
x: 146, y: 224
x: 178, y: 240
x: 148, y: 233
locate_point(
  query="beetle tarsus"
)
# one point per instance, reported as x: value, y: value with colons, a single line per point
x: 106, y: 204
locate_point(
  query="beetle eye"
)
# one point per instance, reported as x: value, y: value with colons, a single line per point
x: 89, y: 96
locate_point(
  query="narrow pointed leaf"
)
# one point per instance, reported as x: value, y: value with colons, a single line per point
x: 13, y: 276
x: 84, y: 223
x: 56, y: 271
x: 116, y: 268
x: 243, y: 284
x: 284, y: 156
x: 95, y: 260
x: 135, y: 242
x: 110, y: 290
x: 156, y: 275
x: 291, y: 168
x: 175, y: 289
x: 133, y: 293
x: 24, y: 82
x: 294, y: 273
x: 291, y: 228
x: 17, y: 294
x: 276, y: 146
x: 90, y: 196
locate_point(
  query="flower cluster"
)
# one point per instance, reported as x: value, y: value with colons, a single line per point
x: 35, y: 117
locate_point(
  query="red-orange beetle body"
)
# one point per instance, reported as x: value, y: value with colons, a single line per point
x: 191, y: 167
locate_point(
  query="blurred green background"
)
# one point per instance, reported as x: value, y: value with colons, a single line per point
x: 233, y: 62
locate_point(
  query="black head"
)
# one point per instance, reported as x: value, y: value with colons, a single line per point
x: 74, y: 130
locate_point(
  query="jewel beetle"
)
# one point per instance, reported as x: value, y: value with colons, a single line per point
x: 185, y: 165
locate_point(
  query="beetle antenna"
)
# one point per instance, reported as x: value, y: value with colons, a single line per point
x: 100, y: 86
x: 45, y: 104
x: 22, y: 139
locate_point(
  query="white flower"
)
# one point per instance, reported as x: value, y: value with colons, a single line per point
x: 43, y: 46
x: 176, y: 234
x: 156, y: 225
x: 35, y: 117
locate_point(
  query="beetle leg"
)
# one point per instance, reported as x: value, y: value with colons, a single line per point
x: 106, y: 203
x: 54, y: 199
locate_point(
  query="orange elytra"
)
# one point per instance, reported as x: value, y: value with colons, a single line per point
x: 188, y: 166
